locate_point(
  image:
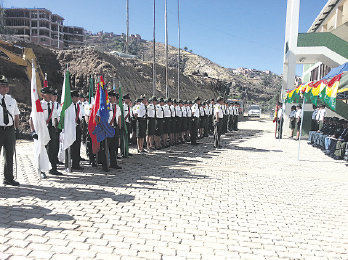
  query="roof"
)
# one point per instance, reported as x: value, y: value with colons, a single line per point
x: 325, y: 12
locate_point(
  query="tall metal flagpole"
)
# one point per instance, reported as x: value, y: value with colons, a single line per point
x: 127, y: 7
x: 166, y: 46
x: 179, y: 49
x: 154, y: 50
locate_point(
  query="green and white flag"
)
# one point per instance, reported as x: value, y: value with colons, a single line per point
x: 67, y: 121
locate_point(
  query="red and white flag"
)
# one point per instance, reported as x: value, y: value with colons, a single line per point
x: 38, y: 118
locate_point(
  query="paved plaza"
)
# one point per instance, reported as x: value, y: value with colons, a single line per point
x: 252, y: 199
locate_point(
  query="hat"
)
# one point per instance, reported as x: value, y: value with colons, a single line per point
x: 3, y: 80
x: 143, y: 96
x: 126, y: 96
x: 161, y: 100
x: 166, y: 100
x: 197, y: 99
x: 55, y: 92
x: 170, y: 100
x: 219, y: 99
x: 74, y: 93
x: 175, y: 102
x: 190, y: 102
x: 139, y: 100
x: 46, y: 91
x: 112, y: 93
x: 154, y: 98
x: 185, y: 102
x: 180, y: 101
x: 80, y: 96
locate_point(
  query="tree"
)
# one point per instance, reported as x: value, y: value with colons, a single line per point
x: 185, y: 48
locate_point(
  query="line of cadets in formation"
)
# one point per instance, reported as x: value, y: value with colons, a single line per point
x: 151, y: 124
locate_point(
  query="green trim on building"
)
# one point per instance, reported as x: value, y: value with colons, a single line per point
x: 325, y: 39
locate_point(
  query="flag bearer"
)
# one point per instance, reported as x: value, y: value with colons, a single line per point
x: 9, y: 123
x: 76, y: 146
x: 115, y: 122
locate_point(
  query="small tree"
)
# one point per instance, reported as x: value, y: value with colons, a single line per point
x: 185, y: 48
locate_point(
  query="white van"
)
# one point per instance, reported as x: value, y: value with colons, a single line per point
x: 254, y: 111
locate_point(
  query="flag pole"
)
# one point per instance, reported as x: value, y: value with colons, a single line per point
x: 166, y: 45
x: 127, y: 35
x: 107, y: 154
x: 154, y: 50
x: 179, y: 49
x: 299, y: 138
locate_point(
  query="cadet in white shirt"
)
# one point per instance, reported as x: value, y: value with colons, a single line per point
x: 195, y: 121
x: 321, y: 116
x: 167, y: 122
x: 178, y: 121
x: 9, y: 123
x: 172, y: 122
x: 115, y: 121
x: 151, y: 122
x: 230, y: 116
x: 140, y: 116
x: 184, y: 121
x: 211, y: 116
x: 201, y: 120
x: 189, y: 119
x: 206, y: 119
x: 127, y: 117
x: 159, y: 123
x: 218, y: 121
x: 57, y: 108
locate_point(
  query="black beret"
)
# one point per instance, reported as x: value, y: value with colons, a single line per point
x: 161, y: 100
x: 170, y: 100
x: 197, y: 99
x: 154, y: 98
x: 3, y: 80
x: 219, y: 99
x: 126, y: 96
x: 112, y: 93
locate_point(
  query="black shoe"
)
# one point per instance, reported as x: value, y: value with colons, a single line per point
x: 43, y: 175
x: 115, y: 167
x: 94, y: 164
x: 55, y: 172
x: 79, y: 168
x: 12, y: 183
x: 60, y: 163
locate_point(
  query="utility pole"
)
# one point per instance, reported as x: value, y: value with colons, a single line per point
x: 127, y: 34
x: 166, y: 46
x: 154, y: 50
x: 179, y: 49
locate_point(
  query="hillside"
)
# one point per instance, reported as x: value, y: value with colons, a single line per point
x: 252, y: 85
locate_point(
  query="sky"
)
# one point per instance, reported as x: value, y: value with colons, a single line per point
x: 231, y: 33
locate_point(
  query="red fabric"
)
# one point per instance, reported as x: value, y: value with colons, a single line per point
x: 92, y: 123
x: 38, y: 106
x: 334, y: 80
x: 114, y: 115
x: 45, y: 84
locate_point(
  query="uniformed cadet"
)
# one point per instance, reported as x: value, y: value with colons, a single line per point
x: 84, y: 127
x: 9, y: 123
x: 127, y: 117
x: 211, y: 116
x: 133, y: 121
x: 159, y: 123
x: 58, y: 108
x: 76, y: 146
x: 230, y: 117
x: 225, y: 118
x: 195, y: 121
x: 51, y: 118
x: 189, y: 120
x: 206, y: 118
x: 179, y: 119
x: 115, y: 122
x: 172, y: 121
x: 184, y: 121
x: 201, y: 120
x: 151, y: 122
x: 139, y: 113
x: 167, y: 123
x: 236, y: 116
x: 218, y: 121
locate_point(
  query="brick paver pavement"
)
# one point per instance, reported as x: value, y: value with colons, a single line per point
x: 250, y: 200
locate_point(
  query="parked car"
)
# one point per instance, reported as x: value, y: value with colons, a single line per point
x: 254, y: 111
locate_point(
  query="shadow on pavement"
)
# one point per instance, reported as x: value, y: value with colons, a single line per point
x: 13, y: 217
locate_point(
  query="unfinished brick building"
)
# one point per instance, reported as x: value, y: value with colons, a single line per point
x: 41, y: 26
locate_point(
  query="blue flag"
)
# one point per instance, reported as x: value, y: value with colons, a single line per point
x: 103, y: 129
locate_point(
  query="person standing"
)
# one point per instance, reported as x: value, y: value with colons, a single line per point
x: 159, y: 123
x: 127, y: 118
x: 167, y: 123
x: 151, y: 123
x: 314, y: 123
x: 195, y: 121
x: 321, y: 116
x: 9, y: 123
x: 115, y: 122
x: 218, y: 121
x: 292, y: 123
x: 189, y: 120
x: 211, y: 117
x: 140, y: 117
x: 57, y: 108
x: 172, y: 122
x: 298, y: 120
x: 76, y: 146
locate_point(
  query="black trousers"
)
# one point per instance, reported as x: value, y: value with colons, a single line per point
x: 194, y: 129
x: 52, y: 147
x: 113, y: 147
x: 8, y: 141
x: 90, y: 154
x: 217, y: 132
x: 76, y: 149
x: 235, y: 122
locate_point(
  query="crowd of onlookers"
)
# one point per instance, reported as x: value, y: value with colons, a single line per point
x: 329, y: 134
